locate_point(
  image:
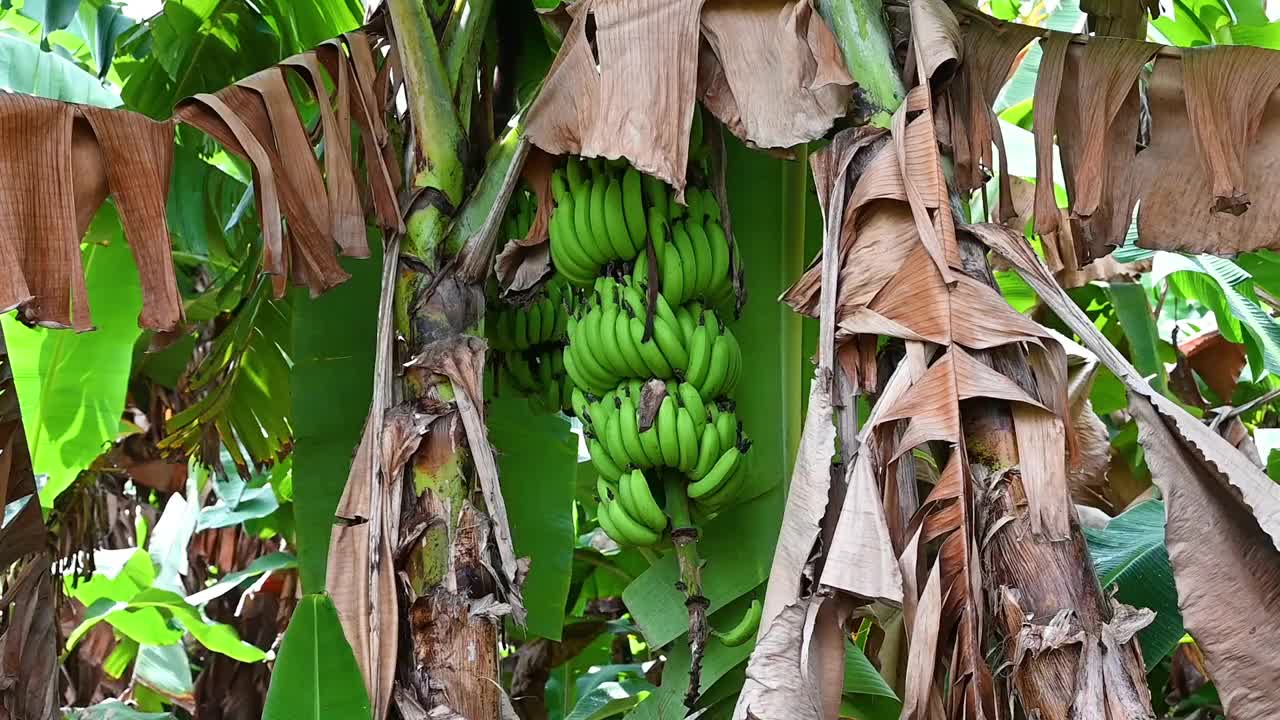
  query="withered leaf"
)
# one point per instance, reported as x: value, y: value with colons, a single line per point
x: 613, y: 111
x: 780, y: 77
x: 1213, y: 494
x: 1178, y: 192
x: 989, y: 51
x: 1224, y: 120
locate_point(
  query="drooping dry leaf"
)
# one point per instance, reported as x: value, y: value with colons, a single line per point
x: 1178, y: 193
x: 922, y: 631
x: 989, y: 51
x: 778, y: 686
x: 806, y: 503
x: 1213, y: 493
x: 1097, y: 127
x: 62, y: 161
x: 524, y: 261
x: 861, y: 560
x: 1226, y: 568
x: 361, y: 567
x: 1227, y: 89
x: 612, y: 111
x: 781, y: 80
x: 346, y: 217
x: 1053, y: 57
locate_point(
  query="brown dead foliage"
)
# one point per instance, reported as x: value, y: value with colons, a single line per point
x: 1221, y: 100
x: 769, y: 69
x: 60, y: 162
x: 1222, y: 513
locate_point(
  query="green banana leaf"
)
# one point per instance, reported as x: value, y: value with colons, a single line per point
x: 334, y: 345
x: 316, y: 675
x: 25, y: 68
x: 1129, y: 553
x: 1139, y: 323
x: 71, y: 386
x: 538, y: 467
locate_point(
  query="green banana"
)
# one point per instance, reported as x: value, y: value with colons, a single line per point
x: 693, y: 201
x: 745, y: 629
x: 668, y: 438
x: 719, y: 369
x: 575, y: 262
x: 629, y: 434
x: 668, y: 339
x: 559, y: 186
x: 521, y: 330
x: 633, y: 209
x: 651, y: 446
x: 699, y: 358
x: 652, y: 356
x: 588, y: 350
x: 656, y: 192
x: 612, y: 441
x: 672, y: 276
x: 646, y: 506
x: 577, y: 401
x: 606, y: 523
x: 602, y: 462
x: 687, y: 435
x: 606, y: 343
x: 730, y: 491
x: 685, y: 318
x: 591, y: 244
x: 719, y: 243
x: 717, y: 475
x: 708, y: 452
x: 692, y: 399
x: 688, y: 263
x: 615, y: 220
x: 632, y: 530
x: 702, y: 256
x: 628, y: 346
x: 599, y: 219
x: 727, y: 429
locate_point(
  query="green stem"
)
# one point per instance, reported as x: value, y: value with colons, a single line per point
x: 685, y: 537
x: 463, y: 37
x: 436, y: 129
x: 864, y: 40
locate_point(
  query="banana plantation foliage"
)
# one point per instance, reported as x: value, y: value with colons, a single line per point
x: 788, y: 359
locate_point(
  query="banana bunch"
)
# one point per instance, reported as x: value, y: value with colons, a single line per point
x: 628, y: 510
x: 538, y: 375
x: 601, y: 216
x: 520, y: 211
x: 545, y: 320
x: 692, y: 254
x: 703, y: 441
x: 607, y: 342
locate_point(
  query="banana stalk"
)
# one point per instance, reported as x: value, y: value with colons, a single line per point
x: 685, y: 537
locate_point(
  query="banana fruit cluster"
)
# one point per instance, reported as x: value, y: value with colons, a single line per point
x: 692, y: 254
x: 528, y: 348
x: 609, y: 344
x: 539, y: 376
x: 544, y: 320
x: 651, y: 362
x: 703, y: 441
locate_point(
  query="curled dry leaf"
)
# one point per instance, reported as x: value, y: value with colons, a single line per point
x: 606, y: 109
x: 522, y: 262
x: 1213, y: 494
x: 1179, y: 195
x: 779, y: 686
x: 63, y: 160
x: 989, y: 50
x: 28, y: 644
x: 773, y: 73
x: 60, y: 161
